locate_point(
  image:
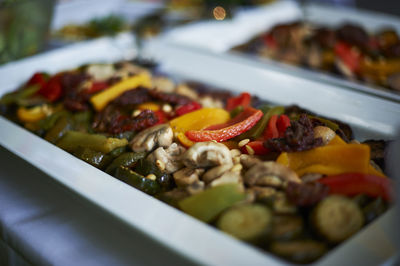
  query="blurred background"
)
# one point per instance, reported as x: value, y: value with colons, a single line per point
x: 28, y: 27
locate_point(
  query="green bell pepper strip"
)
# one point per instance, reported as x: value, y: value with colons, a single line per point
x: 72, y: 140
x: 82, y: 121
x: 95, y: 158
x: 48, y: 122
x: 136, y: 180
x: 328, y: 123
x: 259, y: 128
x: 117, y: 151
x: 16, y: 96
x: 61, y: 126
x: 146, y: 167
x: 127, y: 159
x: 237, y: 110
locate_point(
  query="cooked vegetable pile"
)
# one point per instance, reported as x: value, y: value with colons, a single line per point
x: 102, y: 26
x: 279, y: 177
x: 348, y: 50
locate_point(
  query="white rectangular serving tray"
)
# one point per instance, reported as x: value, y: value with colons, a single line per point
x: 220, y: 37
x: 203, y: 244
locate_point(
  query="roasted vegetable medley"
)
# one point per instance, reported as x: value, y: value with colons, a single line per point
x: 284, y: 179
x: 349, y: 51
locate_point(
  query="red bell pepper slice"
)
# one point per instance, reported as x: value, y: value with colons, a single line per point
x: 351, y: 184
x: 350, y: 57
x: 52, y: 90
x: 38, y: 78
x: 244, y: 99
x: 162, y: 117
x: 257, y: 146
x: 276, y: 127
x: 238, y: 125
x: 282, y: 124
x: 98, y: 86
x: 271, y: 131
x: 237, y: 119
x: 187, y: 108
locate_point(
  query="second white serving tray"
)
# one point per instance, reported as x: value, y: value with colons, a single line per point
x: 219, y: 37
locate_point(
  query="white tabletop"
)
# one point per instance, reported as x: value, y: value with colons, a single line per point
x: 44, y: 223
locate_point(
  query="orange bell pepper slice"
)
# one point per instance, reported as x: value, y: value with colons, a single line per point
x: 236, y: 126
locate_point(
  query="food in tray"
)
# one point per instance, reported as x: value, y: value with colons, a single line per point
x: 102, y: 26
x: 286, y: 180
x: 348, y: 50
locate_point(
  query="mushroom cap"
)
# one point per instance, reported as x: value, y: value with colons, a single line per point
x: 207, y: 154
x: 260, y: 171
x: 150, y: 138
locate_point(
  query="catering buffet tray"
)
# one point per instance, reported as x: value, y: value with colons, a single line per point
x: 371, y: 117
x: 221, y: 37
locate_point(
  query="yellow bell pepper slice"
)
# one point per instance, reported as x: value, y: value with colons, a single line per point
x: 337, y: 157
x: 337, y: 141
x: 197, y: 120
x: 329, y: 159
x: 149, y: 106
x: 33, y: 114
x: 371, y: 170
x: 101, y: 99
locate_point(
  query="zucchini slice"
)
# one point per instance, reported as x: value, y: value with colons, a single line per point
x: 246, y: 222
x: 208, y: 204
x: 337, y: 218
x: 298, y: 251
x: 286, y: 227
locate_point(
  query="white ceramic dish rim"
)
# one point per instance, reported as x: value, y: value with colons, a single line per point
x: 165, y: 224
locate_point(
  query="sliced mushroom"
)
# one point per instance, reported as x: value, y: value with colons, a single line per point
x: 325, y: 133
x: 148, y: 139
x: 216, y: 172
x: 168, y: 160
x: 207, y: 154
x: 227, y: 178
x: 185, y: 90
x: 311, y: 177
x: 248, y: 161
x: 262, y: 173
x: 163, y: 84
x: 344, y: 69
x: 187, y: 176
x: 101, y: 72
x: 269, y: 181
x: 209, y: 102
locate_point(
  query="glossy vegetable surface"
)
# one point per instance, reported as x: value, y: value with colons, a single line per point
x: 207, y: 205
x: 136, y: 180
x: 238, y: 125
x: 351, y: 184
x: 72, y: 140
